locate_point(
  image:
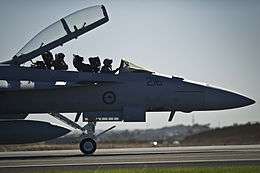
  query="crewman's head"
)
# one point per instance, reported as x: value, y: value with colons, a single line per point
x: 77, y: 61
x: 47, y: 56
x: 78, y: 58
x: 59, y: 56
x: 108, y: 62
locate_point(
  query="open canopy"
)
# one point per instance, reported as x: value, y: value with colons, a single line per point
x: 62, y: 31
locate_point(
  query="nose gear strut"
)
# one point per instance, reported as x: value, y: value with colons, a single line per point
x: 88, y: 144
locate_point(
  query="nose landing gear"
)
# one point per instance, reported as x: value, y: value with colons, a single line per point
x: 88, y: 144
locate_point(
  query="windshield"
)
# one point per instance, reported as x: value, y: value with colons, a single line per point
x: 127, y: 66
x: 62, y: 31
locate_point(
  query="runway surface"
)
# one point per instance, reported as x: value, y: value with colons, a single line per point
x: 32, y: 161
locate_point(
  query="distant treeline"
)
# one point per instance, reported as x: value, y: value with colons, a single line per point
x: 231, y: 135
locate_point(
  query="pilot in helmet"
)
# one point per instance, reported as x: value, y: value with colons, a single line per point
x: 48, y: 59
x: 107, y: 66
x: 77, y: 62
x: 59, y: 63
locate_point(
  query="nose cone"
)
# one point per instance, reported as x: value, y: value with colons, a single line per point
x: 217, y: 99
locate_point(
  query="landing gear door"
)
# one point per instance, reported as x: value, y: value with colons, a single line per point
x: 134, y: 114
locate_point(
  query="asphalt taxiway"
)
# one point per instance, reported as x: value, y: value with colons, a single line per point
x: 33, y: 161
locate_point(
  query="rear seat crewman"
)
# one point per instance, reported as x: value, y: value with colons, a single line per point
x: 59, y: 63
x: 48, y: 62
x: 48, y: 59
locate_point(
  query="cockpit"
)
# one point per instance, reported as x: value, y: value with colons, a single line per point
x: 64, y: 30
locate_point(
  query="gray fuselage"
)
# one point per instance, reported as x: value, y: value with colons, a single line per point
x: 144, y: 91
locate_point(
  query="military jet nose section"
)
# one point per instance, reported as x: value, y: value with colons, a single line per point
x: 217, y: 99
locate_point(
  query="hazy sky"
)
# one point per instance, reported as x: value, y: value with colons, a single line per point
x: 216, y: 42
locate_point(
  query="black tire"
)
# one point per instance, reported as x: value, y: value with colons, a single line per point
x: 88, y: 146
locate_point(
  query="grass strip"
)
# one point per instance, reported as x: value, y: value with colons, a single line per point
x: 232, y: 169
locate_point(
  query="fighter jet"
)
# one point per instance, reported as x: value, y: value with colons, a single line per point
x: 123, y: 96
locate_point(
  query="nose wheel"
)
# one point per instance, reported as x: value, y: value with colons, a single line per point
x: 88, y: 146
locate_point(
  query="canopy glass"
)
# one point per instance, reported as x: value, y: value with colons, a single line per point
x: 62, y: 31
